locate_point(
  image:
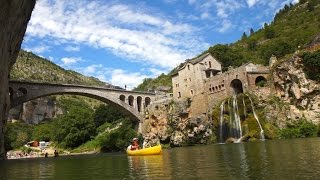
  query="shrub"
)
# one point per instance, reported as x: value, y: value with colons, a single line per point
x: 298, y: 129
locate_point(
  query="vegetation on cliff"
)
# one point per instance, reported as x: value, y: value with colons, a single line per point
x: 30, y: 67
x: 311, y: 64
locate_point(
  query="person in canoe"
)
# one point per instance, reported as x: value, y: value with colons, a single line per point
x: 134, y: 145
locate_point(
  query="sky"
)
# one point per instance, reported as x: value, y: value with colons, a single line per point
x: 121, y: 42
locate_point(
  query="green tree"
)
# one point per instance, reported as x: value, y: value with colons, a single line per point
x: 244, y: 36
x: 106, y: 113
x: 251, y: 31
x: 17, y: 134
x: 311, y: 62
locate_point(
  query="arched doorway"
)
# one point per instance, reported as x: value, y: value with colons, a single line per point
x: 261, y: 81
x: 236, y: 86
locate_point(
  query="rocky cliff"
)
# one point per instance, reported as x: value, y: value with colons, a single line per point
x: 299, y: 94
x: 171, y: 122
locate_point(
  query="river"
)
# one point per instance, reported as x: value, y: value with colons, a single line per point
x: 276, y: 159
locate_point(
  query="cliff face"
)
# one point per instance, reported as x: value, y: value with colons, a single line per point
x: 170, y: 122
x: 35, y: 111
x: 300, y: 95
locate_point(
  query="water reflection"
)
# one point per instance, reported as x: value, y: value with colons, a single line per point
x: 146, y: 166
x: 278, y: 159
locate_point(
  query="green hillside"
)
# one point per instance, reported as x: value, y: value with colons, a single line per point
x: 293, y: 27
x: 30, y: 67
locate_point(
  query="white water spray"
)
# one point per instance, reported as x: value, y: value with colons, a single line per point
x: 256, y: 117
x: 221, y: 121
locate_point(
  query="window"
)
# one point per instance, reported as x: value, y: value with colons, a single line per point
x: 179, y: 94
x: 188, y: 67
x: 209, y: 64
x: 191, y: 92
x: 189, y: 79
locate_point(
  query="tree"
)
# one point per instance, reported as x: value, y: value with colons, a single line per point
x: 269, y: 33
x: 251, y: 31
x: 106, y: 113
x: 244, y: 36
x: 74, y: 128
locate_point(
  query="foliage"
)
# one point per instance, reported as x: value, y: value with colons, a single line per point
x: 76, y: 126
x: 119, y: 138
x: 43, y: 132
x: 34, y: 68
x: 106, y: 113
x: 226, y: 55
x: 298, y: 129
x: 17, y: 134
x: 152, y: 84
x: 311, y: 62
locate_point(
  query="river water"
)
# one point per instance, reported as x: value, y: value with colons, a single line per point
x: 276, y: 159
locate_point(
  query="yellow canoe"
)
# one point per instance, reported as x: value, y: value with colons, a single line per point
x: 146, y: 151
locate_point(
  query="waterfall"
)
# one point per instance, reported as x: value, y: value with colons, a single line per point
x: 221, y: 122
x: 244, y: 108
x: 237, y: 118
x: 256, y: 117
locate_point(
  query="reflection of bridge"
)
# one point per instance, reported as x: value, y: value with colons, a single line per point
x: 131, y: 103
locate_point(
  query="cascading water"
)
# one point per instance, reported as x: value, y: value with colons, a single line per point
x: 256, y: 117
x: 221, y: 122
x: 237, y: 118
x: 233, y: 128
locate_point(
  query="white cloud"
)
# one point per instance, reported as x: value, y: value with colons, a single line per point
x: 226, y: 25
x: 126, y: 31
x: 122, y: 78
x: 38, y: 49
x: 70, y: 60
x: 72, y: 48
x: 251, y: 2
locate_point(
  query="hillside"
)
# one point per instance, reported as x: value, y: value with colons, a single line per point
x: 293, y: 27
x: 30, y: 67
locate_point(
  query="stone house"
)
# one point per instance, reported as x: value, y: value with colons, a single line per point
x: 188, y: 81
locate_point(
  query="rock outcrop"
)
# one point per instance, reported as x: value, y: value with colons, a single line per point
x: 170, y: 122
x: 14, y: 17
x: 300, y: 95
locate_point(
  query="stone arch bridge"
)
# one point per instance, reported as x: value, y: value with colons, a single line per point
x: 132, y: 103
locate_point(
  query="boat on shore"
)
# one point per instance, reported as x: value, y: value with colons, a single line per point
x: 155, y: 150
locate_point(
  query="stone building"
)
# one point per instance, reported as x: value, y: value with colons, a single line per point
x: 202, y: 79
x: 189, y: 80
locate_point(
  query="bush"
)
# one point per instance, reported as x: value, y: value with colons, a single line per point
x: 117, y: 139
x: 299, y: 129
x: 311, y: 62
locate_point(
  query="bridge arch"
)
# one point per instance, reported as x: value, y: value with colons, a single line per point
x: 122, y: 97
x: 147, y: 101
x: 21, y: 92
x: 139, y: 102
x: 114, y: 97
x: 236, y: 86
x: 130, y: 100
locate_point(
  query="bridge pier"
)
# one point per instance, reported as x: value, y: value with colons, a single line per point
x: 14, y: 17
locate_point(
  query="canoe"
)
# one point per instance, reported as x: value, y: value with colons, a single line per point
x: 146, y: 151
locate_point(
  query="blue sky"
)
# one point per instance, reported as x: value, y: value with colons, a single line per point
x: 124, y: 41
